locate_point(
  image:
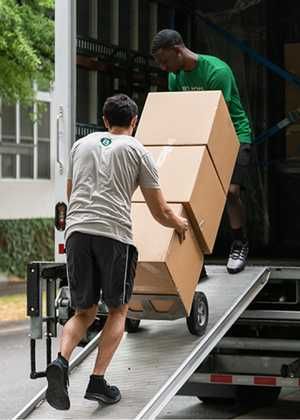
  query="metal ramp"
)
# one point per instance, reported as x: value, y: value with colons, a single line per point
x: 151, y: 365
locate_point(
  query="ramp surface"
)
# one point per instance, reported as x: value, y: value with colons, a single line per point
x: 151, y: 365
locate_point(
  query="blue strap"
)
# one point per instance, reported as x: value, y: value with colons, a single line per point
x: 290, y: 119
x: 252, y: 53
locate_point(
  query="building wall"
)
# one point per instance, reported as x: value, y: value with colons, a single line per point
x: 26, y: 199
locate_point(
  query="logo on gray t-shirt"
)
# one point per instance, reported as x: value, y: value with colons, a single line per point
x: 105, y: 141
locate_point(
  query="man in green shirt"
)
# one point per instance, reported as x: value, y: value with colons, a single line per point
x: 190, y: 71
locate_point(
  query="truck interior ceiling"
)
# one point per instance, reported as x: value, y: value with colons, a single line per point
x: 260, y: 40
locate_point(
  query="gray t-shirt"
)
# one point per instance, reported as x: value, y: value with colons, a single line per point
x: 105, y: 170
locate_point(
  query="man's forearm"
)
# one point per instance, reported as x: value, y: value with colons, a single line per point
x: 167, y: 217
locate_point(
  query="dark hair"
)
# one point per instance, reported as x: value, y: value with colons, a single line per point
x: 119, y: 110
x: 166, y: 38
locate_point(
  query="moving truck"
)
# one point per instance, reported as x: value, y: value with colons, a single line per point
x: 250, y: 346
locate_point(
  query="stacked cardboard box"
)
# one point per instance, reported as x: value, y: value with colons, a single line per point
x: 166, y: 267
x: 292, y: 99
x: 193, y: 142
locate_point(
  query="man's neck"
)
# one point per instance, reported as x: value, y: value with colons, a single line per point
x: 121, y: 131
x: 190, y: 60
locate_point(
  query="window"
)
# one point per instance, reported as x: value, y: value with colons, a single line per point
x: 8, y: 123
x: 8, y: 166
x: 26, y: 138
x: 44, y: 144
x: 25, y: 141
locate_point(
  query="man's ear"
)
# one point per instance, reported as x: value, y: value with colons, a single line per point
x: 106, y: 123
x: 134, y: 122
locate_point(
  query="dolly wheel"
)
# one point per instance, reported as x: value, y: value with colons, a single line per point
x: 198, y: 318
x: 132, y: 325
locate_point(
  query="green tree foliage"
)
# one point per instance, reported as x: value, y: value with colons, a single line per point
x: 26, y: 47
x: 22, y: 241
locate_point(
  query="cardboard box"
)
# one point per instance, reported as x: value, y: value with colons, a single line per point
x: 192, y: 118
x: 293, y: 141
x: 292, y: 57
x: 292, y: 97
x: 165, y: 267
x: 292, y: 65
x: 188, y: 176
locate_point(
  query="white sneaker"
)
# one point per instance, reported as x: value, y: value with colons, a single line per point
x: 238, y: 257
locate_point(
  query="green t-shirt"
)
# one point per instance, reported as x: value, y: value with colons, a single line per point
x: 211, y: 73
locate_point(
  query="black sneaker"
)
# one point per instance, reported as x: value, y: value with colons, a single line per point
x: 58, y: 381
x: 99, y: 390
x: 238, y: 257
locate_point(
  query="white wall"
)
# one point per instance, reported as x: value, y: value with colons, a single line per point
x: 26, y: 199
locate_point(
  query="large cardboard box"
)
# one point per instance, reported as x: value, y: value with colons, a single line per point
x: 292, y: 58
x: 187, y: 175
x: 292, y: 99
x: 292, y: 65
x: 165, y: 267
x: 191, y: 118
x: 293, y: 141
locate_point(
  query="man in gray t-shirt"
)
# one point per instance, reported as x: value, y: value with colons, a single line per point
x: 104, y: 171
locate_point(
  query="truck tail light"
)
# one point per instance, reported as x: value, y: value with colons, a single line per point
x: 60, y: 216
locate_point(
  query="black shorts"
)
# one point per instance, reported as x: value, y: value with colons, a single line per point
x: 241, y: 169
x: 97, y: 263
